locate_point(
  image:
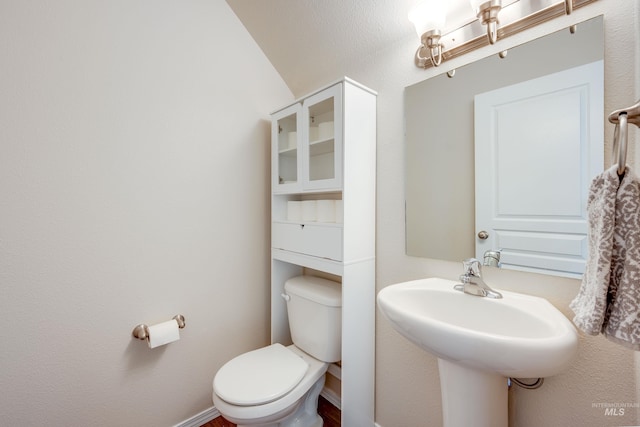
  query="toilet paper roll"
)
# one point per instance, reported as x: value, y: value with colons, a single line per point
x: 294, y: 211
x: 339, y: 211
x: 308, y: 210
x: 326, y: 211
x: 163, y: 333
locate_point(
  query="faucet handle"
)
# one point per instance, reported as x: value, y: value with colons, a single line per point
x: 471, y: 267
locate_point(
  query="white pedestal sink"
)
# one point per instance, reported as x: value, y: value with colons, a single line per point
x: 479, y: 342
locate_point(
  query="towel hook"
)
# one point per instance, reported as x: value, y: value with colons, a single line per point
x: 633, y: 114
x: 621, y: 118
x: 620, y: 142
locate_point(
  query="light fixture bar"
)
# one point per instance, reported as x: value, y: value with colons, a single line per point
x: 522, y: 24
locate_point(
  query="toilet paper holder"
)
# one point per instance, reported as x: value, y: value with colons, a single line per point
x: 141, y: 331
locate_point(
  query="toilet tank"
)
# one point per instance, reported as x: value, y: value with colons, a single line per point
x: 314, y: 306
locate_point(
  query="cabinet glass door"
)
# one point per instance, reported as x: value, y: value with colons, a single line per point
x: 286, y: 151
x: 323, y: 133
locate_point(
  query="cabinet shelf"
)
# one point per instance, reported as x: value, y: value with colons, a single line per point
x: 320, y: 264
x: 316, y: 148
x: 321, y: 146
x: 289, y: 152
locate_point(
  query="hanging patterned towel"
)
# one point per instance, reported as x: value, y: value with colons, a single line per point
x: 622, y: 318
x: 590, y: 305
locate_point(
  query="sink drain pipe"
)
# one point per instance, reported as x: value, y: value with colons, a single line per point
x: 534, y: 385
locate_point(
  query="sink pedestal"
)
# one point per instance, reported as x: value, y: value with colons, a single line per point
x: 471, y: 397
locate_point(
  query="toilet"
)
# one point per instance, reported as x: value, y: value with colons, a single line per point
x: 278, y: 385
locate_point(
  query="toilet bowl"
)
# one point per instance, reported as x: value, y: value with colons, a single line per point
x: 278, y: 385
x: 266, y: 388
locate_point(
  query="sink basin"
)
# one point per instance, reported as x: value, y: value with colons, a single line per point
x: 479, y: 341
x: 516, y: 336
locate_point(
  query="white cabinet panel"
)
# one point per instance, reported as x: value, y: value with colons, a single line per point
x: 286, y: 137
x: 322, y: 136
x: 316, y: 240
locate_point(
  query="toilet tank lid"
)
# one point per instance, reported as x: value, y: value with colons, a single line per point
x: 323, y: 291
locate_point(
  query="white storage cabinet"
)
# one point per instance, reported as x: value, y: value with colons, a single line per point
x: 324, y: 148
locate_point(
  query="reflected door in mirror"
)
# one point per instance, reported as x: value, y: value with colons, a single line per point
x: 538, y: 145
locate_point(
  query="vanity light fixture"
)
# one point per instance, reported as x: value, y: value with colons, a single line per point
x: 466, y: 33
x: 568, y: 8
x: 487, y: 13
x: 429, y: 18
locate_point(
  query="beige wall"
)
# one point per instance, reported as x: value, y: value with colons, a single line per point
x: 407, y: 384
x: 132, y: 189
x: 134, y: 165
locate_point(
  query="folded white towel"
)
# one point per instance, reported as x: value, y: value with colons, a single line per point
x: 622, y: 318
x: 590, y: 305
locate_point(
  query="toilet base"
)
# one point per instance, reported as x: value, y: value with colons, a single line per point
x: 306, y: 413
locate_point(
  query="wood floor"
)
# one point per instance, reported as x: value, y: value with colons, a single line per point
x: 329, y: 413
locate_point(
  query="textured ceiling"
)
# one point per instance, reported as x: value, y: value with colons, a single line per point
x: 308, y: 39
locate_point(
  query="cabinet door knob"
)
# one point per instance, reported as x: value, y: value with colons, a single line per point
x: 483, y: 235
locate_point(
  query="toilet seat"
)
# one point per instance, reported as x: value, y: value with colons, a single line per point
x: 260, y: 376
x: 273, y: 411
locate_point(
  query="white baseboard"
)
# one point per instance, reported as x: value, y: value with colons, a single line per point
x: 201, y: 418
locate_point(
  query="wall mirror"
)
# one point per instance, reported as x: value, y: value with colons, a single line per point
x: 473, y: 146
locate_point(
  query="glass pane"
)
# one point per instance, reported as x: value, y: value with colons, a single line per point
x: 287, y: 150
x: 321, y: 140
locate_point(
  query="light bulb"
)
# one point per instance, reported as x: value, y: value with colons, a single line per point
x: 428, y: 15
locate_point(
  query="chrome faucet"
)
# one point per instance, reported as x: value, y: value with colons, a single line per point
x: 472, y: 282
